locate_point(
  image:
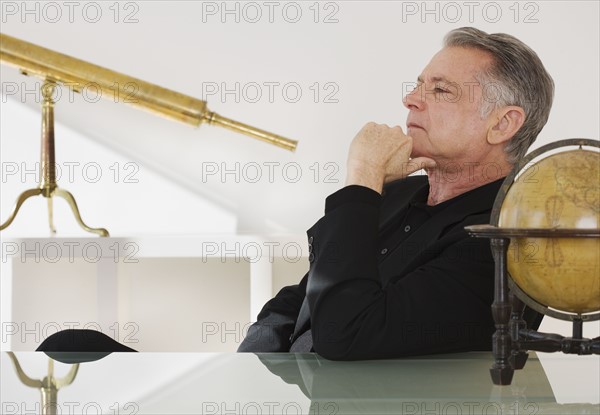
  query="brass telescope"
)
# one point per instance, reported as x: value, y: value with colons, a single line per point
x: 53, y: 68
x: 77, y: 74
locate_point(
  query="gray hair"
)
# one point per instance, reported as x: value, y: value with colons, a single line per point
x: 518, y: 78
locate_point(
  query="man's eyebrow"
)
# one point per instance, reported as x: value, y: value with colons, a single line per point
x: 435, y: 79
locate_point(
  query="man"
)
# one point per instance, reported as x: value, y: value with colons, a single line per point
x: 392, y: 271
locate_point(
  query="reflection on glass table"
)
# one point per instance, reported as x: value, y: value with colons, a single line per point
x: 193, y: 383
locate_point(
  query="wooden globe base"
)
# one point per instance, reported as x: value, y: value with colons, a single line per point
x: 513, y: 339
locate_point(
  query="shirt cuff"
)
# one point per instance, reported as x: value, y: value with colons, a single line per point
x: 352, y: 194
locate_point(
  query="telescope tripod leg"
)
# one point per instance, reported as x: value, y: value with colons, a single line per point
x: 49, y: 386
x: 51, y: 215
x: 71, y: 201
x: 20, y: 200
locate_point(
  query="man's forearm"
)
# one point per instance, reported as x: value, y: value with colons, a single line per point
x: 276, y: 321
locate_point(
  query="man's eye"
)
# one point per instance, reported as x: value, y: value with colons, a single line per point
x: 441, y: 91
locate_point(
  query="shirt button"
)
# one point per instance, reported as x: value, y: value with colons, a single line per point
x: 407, y: 228
x: 384, y: 251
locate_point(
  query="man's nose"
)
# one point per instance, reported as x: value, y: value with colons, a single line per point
x: 414, y: 100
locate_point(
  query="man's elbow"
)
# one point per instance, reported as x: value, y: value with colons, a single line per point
x: 334, y: 345
x: 332, y: 351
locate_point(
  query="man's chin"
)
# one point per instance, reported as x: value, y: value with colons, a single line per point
x: 418, y: 151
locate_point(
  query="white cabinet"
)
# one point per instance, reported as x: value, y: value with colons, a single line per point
x: 180, y: 293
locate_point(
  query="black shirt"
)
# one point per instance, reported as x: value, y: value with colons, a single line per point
x: 429, y: 292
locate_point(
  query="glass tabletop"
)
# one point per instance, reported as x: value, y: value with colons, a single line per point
x: 280, y: 383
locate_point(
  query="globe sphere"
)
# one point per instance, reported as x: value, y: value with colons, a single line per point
x: 560, y: 191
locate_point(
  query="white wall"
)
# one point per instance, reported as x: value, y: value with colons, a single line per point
x: 361, y: 61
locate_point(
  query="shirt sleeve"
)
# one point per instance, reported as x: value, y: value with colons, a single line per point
x: 352, y: 194
x: 276, y: 321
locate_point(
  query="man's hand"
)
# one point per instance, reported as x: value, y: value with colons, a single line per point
x: 380, y: 154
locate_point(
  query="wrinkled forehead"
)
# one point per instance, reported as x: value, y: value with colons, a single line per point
x: 456, y: 64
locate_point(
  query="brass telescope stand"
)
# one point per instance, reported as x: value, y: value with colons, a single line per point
x: 48, y: 187
x: 48, y: 386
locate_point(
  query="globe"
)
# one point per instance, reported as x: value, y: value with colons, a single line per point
x: 560, y: 191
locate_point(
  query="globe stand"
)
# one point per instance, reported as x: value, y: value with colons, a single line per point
x: 512, y: 338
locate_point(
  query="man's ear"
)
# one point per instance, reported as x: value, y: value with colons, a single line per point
x: 508, y: 121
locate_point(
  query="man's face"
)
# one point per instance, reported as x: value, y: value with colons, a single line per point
x: 444, y: 119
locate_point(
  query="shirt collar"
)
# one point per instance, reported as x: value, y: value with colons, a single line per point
x: 485, y: 193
